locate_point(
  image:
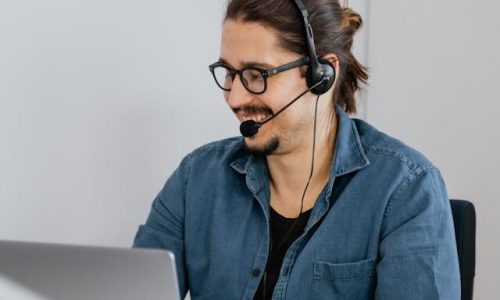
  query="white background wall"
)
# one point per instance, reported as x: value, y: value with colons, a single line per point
x: 99, y: 101
x: 435, y: 77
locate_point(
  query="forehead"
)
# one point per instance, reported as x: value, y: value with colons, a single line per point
x: 250, y: 41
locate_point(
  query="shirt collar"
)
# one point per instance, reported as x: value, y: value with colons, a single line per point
x: 349, y: 153
x: 349, y: 156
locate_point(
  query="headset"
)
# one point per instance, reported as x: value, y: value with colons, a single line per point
x: 320, y: 76
x: 319, y: 69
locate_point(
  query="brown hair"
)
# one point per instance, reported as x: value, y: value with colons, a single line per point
x: 333, y: 26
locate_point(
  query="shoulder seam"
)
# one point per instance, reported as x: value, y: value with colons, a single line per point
x: 411, y: 164
x: 401, y: 188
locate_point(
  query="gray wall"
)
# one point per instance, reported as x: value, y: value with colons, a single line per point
x: 99, y: 101
x: 435, y: 72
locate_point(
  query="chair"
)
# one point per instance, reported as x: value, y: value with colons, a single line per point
x: 464, y: 218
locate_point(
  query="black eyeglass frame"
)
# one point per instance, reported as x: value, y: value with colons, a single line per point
x: 265, y: 73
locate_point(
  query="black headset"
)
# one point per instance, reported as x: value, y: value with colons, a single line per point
x: 320, y: 77
x: 318, y: 69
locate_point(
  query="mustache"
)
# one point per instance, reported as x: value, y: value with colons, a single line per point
x: 253, y: 109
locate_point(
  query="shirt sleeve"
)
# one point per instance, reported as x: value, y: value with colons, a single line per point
x: 417, y: 254
x: 164, y: 227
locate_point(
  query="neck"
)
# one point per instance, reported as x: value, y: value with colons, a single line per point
x: 289, y: 172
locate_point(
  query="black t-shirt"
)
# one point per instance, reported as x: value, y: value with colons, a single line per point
x: 282, y: 237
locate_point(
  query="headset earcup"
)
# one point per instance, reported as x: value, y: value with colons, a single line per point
x: 313, y: 76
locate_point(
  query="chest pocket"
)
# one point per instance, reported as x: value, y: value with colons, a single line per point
x: 351, y: 281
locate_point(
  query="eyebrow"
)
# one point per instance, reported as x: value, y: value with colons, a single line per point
x: 249, y: 64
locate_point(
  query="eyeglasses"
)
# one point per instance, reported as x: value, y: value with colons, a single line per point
x: 254, y: 79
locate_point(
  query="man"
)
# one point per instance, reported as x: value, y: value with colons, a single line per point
x: 309, y: 204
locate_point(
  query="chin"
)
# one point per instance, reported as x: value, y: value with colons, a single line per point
x: 265, y: 148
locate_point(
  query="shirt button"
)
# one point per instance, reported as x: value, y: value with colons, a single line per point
x: 255, y: 272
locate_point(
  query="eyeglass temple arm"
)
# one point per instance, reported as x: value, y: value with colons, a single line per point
x: 294, y: 64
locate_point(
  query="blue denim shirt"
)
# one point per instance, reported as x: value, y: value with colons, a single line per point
x: 389, y: 234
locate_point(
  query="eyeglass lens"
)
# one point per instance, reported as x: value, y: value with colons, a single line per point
x: 251, y: 79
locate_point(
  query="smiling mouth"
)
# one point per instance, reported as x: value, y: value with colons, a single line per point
x: 257, y: 118
x: 257, y: 114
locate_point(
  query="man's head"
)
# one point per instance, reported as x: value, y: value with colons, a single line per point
x: 267, y: 34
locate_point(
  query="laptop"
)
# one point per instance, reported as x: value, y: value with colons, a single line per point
x: 37, y: 271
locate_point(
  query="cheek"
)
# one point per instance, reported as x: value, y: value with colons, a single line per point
x: 275, y: 100
x: 300, y: 115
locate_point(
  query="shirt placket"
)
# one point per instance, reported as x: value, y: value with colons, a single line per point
x: 256, y: 183
x: 292, y: 253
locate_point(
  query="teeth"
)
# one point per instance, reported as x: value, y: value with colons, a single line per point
x: 257, y: 118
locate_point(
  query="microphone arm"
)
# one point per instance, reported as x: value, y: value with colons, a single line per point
x: 250, y: 127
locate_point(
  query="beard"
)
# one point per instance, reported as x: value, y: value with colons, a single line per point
x: 265, y: 149
x: 270, y: 146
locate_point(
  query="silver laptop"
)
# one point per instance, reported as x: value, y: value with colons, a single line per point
x: 35, y: 271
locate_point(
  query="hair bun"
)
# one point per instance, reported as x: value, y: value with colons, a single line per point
x: 352, y: 20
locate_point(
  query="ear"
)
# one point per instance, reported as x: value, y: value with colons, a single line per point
x: 303, y: 71
x: 333, y: 60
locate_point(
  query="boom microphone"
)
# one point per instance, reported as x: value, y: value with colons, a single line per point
x: 250, y: 128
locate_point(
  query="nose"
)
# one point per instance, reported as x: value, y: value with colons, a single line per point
x: 238, y: 96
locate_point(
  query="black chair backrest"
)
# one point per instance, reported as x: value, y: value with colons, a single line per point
x: 464, y: 217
